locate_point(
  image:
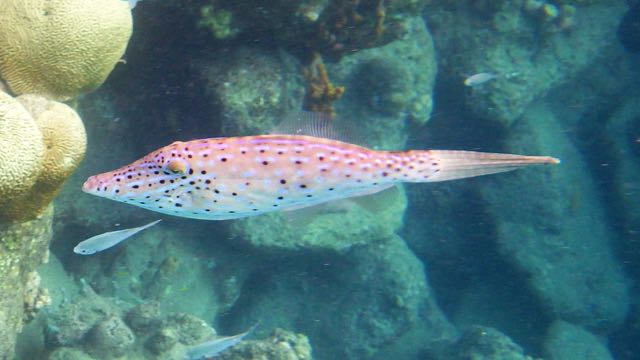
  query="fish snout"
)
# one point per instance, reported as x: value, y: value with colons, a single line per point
x: 91, y: 185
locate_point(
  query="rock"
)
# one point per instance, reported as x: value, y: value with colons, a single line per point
x: 551, y: 225
x: 190, y: 329
x: 70, y: 323
x: 253, y: 88
x: 23, y: 246
x: 331, y: 27
x: 622, y: 134
x: 162, y: 341
x: 280, y: 345
x: 388, y: 87
x: 111, y: 338
x: 374, y: 293
x: 628, y: 29
x: 531, y: 55
x: 65, y: 353
x: 565, y: 341
x: 144, y: 317
x: 485, y: 343
x: 335, y: 227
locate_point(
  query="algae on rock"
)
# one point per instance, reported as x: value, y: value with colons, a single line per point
x: 23, y: 246
x: 528, y: 60
x: 556, y: 233
x: 373, y: 293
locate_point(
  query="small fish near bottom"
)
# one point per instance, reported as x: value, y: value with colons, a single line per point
x: 212, y: 348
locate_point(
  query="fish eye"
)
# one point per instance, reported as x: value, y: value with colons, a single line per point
x: 175, y: 166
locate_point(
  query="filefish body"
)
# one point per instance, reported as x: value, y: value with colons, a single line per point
x: 235, y: 177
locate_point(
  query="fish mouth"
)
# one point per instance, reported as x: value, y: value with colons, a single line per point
x: 91, y: 185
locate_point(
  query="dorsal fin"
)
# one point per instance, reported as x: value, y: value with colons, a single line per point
x: 318, y: 125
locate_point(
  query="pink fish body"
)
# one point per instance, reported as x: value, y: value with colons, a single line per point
x: 235, y: 177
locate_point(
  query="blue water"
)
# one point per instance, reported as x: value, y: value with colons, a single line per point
x: 542, y: 262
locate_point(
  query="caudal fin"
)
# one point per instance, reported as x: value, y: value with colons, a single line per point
x: 450, y: 165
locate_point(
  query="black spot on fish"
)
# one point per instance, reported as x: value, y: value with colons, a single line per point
x: 283, y: 181
x: 178, y: 205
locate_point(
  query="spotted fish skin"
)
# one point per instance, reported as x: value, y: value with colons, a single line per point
x: 235, y: 177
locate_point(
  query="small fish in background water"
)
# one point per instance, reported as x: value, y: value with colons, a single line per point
x: 214, y: 347
x: 236, y: 177
x: 107, y: 240
x: 479, y: 79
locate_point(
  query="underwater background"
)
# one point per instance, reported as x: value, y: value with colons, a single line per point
x: 541, y: 263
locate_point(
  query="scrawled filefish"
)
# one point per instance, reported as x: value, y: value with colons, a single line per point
x: 235, y: 177
x: 214, y: 347
x: 109, y: 239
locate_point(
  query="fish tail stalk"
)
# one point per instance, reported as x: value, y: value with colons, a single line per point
x: 442, y: 165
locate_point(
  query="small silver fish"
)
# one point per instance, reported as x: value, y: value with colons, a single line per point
x: 109, y: 239
x: 214, y: 347
x: 479, y: 78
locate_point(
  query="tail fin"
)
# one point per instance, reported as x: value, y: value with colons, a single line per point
x: 450, y: 165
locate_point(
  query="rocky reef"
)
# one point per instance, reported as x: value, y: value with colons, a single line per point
x: 541, y: 263
x: 50, y: 52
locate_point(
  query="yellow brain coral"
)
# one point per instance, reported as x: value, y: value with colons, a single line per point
x: 21, y: 149
x: 64, y: 138
x: 61, y: 48
x: 59, y: 133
